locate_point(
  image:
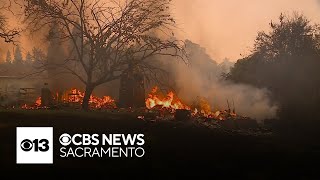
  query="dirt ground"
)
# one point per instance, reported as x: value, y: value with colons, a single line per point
x: 172, y: 149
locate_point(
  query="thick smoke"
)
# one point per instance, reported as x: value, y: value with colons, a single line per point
x: 247, y: 100
x: 202, y: 78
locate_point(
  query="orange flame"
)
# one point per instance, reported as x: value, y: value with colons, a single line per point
x: 76, y: 96
x: 170, y: 101
x: 38, y: 102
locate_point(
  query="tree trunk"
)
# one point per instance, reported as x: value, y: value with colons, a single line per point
x: 86, y: 98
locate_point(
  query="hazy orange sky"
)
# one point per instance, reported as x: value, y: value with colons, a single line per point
x: 227, y: 28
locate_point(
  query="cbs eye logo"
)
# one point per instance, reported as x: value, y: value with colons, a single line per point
x: 65, y: 139
x: 41, y: 145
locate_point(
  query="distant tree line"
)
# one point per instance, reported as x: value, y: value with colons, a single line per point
x: 34, y: 56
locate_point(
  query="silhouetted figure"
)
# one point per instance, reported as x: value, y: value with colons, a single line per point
x: 132, y: 91
x: 46, y: 96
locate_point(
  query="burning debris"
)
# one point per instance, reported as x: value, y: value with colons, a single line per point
x: 172, y: 104
x: 170, y: 107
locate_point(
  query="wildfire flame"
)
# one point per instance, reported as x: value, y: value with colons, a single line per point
x: 76, y: 96
x: 38, y: 102
x: 173, y: 103
x: 36, y: 105
x: 170, y: 101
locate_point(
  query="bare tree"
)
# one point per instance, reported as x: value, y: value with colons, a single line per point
x: 108, y: 37
x: 6, y: 33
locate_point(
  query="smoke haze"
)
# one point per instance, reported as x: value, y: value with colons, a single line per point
x: 225, y: 28
x: 228, y: 28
